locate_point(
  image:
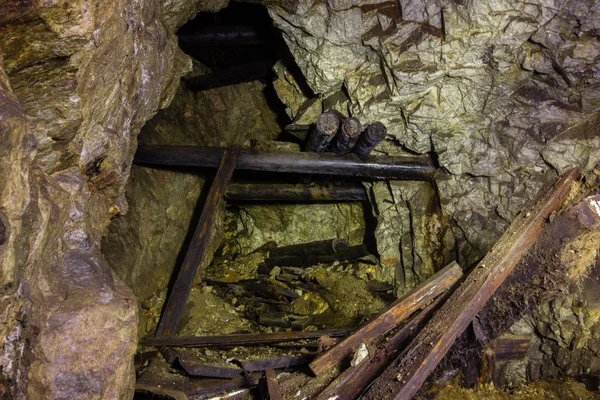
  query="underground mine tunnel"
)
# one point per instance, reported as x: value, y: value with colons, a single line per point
x: 290, y: 199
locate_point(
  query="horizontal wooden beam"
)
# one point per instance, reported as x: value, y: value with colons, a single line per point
x: 371, y: 167
x: 247, y: 339
x: 297, y: 193
x: 230, y: 76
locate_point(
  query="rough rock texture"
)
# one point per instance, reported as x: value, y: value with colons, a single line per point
x: 299, y: 223
x: 77, y: 82
x: 146, y: 245
x: 414, y: 239
x: 568, y: 341
x: 504, y: 93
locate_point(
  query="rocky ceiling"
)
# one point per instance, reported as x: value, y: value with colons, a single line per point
x: 503, y: 94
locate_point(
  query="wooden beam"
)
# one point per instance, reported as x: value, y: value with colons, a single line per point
x: 396, y: 313
x: 178, y: 296
x: 250, y: 339
x: 203, y: 388
x: 275, y: 363
x: 350, y: 253
x: 320, y: 247
x: 274, y: 392
x: 354, y: 380
x: 297, y: 193
x: 377, y: 168
x: 403, y: 378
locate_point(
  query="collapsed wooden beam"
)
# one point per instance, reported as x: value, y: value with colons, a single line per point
x: 403, y: 378
x: 273, y: 390
x: 380, y: 167
x: 275, y: 363
x: 396, y: 313
x: 178, y: 296
x: 354, y: 380
x: 522, y: 291
x: 297, y: 193
x: 249, y: 339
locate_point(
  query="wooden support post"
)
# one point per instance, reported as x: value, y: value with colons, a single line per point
x: 181, y: 289
x: 380, y: 167
x: 354, y: 380
x: 273, y: 389
x: 404, y: 377
x: 243, y: 339
x: 398, y: 311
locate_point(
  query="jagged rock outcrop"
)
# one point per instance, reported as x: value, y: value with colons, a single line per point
x: 143, y: 246
x: 504, y: 94
x: 77, y: 82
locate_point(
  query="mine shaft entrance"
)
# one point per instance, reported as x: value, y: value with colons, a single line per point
x: 309, y: 283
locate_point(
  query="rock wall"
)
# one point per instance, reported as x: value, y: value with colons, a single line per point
x: 145, y: 245
x: 504, y: 93
x: 78, y: 80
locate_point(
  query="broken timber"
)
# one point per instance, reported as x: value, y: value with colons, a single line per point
x: 403, y: 378
x: 284, y: 192
x: 249, y: 339
x: 193, y: 258
x: 354, y: 380
x: 273, y: 390
x: 398, y: 310
x: 381, y: 167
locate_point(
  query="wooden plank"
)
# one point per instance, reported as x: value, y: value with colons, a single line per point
x: 275, y: 363
x: 210, y: 371
x: 350, y: 253
x: 403, y: 378
x: 522, y: 292
x: 273, y: 389
x: 510, y: 348
x: 354, y: 380
x: 398, y: 311
x: 380, y: 167
x: 319, y: 247
x: 202, y: 388
x: 178, y: 296
x: 297, y: 193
